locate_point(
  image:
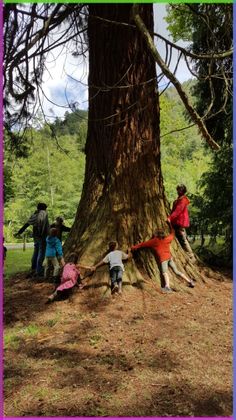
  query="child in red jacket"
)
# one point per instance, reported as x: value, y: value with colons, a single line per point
x: 161, y: 246
x: 179, y: 218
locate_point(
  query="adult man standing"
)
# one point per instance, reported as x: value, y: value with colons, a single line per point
x: 39, y: 221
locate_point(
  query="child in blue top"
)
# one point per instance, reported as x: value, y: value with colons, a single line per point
x: 53, y: 253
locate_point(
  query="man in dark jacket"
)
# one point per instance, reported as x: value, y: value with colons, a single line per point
x: 39, y: 221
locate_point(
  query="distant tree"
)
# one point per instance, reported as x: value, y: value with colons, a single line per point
x: 48, y: 174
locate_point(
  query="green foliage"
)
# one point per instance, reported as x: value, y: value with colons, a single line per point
x: 179, y: 19
x: 8, y: 182
x: 49, y: 174
x: 15, y: 147
x: 183, y: 155
x: 210, y: 29
x: 213, y: 208
x: 73, y: 124
x: 220, y: 210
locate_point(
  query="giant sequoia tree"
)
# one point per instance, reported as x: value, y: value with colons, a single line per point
x: 123, y: 194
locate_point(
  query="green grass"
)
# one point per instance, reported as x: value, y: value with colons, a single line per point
x: 53, y: 321
x: 17, y: 261
x: 14, y: 336
x: 12, y: 340
x: 217, y: 248
x: 94, y: 340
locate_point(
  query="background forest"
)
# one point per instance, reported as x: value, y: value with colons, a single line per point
x: 57, y: 152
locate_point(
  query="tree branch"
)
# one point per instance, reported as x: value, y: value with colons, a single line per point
x: 218, y: 55
x: 150, y: 44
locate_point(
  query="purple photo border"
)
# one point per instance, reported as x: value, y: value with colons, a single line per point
x: 114, y: 418
x: 1, y: 208
x: 1, y: 239
x: 234, y: 199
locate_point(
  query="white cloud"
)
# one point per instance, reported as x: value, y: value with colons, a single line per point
x: 64, y: 82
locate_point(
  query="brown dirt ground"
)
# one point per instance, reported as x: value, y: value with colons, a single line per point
x: 143, y: 354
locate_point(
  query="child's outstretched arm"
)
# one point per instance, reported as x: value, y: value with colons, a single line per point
x: 102, y: 262
x: 129, y: 253
x: 168, y: 221
x: 146, y: 244
x: 85, y: 267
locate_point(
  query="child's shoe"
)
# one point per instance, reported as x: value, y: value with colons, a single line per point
x: 30, y: 275
x: 191, y: 284
x: 114, y: 289
x: 120, y: 288
x: 166, y: 290
x: 51, y: 298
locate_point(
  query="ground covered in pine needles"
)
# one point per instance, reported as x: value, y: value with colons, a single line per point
x: 144, y: 353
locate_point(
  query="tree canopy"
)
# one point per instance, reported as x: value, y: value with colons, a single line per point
x: 32, y: 31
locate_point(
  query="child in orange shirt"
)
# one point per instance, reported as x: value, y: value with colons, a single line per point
x: 161, y: 247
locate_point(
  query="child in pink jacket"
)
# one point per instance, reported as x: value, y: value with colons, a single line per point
x: 70, y: 276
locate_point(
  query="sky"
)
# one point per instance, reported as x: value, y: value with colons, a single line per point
x: 66, y: 80
x: 183, y: 73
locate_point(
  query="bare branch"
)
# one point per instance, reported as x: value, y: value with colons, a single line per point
x: 176, y: 130
x: 150, y: 44
x: 215, y: 55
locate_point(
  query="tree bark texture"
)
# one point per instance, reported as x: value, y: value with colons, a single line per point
x: 123, y: 195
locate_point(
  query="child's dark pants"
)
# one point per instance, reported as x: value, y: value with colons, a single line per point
x: 116, y: 275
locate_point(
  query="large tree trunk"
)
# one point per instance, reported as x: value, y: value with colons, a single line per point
x: 123, y: 195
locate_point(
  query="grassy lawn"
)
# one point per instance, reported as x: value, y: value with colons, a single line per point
x: 17, y: 261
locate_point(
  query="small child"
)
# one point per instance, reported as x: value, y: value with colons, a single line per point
x: 161, y: 246
x: 114, y: 259
x: 70, y: 276
x: 59, y: 225
x: 53, y: 253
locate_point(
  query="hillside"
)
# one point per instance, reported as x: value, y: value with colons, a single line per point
x: 142, y: 354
